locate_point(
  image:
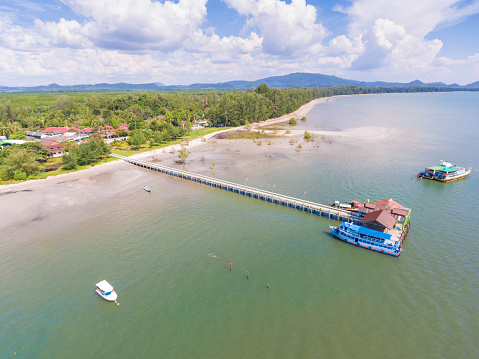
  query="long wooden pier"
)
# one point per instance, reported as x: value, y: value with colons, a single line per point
x: 275, y: 198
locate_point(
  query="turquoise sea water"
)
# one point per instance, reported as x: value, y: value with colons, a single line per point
x: 167, y: 253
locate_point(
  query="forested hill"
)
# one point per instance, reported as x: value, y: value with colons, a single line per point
x: 293, y: 80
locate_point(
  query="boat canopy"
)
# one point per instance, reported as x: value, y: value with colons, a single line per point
x: 368, y: 231
x: 104, y: 286
x: 441, y: 169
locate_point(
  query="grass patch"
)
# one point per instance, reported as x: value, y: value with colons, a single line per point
x: 251, y: 135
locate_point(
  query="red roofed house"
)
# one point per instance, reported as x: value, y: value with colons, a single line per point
x: 85, y: 130
x: 382, y: 214
x: 55, y: 148
x: 55, y: 130
x: 379, y: 219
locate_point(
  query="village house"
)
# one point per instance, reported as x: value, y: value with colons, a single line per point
x: 56, y: 149
x: 197, y: 124
x: 35, y: 135
x: 54, y: 131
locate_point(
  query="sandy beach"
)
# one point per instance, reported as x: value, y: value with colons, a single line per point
x: 31, y: 201
x: 302, y: 111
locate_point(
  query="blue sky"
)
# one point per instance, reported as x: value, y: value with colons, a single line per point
x: 190, y: 41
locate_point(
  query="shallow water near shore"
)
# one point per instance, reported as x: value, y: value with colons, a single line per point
x: 167, y: 252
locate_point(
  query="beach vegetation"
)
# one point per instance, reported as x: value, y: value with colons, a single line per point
x: 69, y: 161
x: 137, y: 139
x: 307, y: 136
x: 303, y: 118
x: 183, y: 154
x: 299, y: 147
x: 251, y: 135
x: 18, y: 164
x: 91, y: 151
x: 292, y: 141
x: 292, y: 121
x: 288, y: 132
x: 119, y: 144
x: 41, y: 154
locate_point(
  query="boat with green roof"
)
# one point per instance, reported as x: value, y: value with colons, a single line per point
x: 445, y: 172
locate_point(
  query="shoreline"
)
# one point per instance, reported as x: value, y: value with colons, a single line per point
x: 300, y: 112
x: 358, y: 133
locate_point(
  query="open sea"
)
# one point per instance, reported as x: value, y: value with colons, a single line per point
x: 167, y: 252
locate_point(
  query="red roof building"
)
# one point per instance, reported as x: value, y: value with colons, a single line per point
x: 55, y: 130
x: 85, y: 130
x: 378, y: 219
x: 55, y: 148
x: 382, y: 214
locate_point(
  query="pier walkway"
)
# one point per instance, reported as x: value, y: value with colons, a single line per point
x: 275, y: 198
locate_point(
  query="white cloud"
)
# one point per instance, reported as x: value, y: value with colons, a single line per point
x: 387, y: 44
x: 64, y: 33
x: 15, y: 38
x: 225, y: 49
x: 136, y: 24
x: 451, y: 70
x: 342, y: 45
x: 417, y: 17
x: 287, y: 29
x: 145, y: 40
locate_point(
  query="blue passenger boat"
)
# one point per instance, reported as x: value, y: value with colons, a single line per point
x: 368, y: 238
x: 147, y: 189
x: 382, y: 227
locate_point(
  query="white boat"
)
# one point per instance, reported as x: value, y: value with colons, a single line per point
x: 105, y: 290
x: 445, y: 172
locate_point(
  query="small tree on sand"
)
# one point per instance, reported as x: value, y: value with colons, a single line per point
x: 183, y: 154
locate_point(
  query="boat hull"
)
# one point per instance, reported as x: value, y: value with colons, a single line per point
x: 111, y: 297
x: 335, y: 231
x: 446, y: 179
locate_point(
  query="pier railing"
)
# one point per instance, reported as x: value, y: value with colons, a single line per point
x: 267, y: 196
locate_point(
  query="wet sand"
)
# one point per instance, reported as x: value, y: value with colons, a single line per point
x: 32, y: 201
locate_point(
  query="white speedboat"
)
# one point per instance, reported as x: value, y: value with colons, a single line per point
x: 105, y: 290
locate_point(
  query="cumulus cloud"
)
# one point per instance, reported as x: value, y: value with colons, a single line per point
x: 417, y: 17
x: 287, y: 29
x: 388, y: 44
x: 133, y: 24
x: 225, y: 48
x: 64, y: 33
x: 147, y: 40
x: 342, y: 45
x: 14, y: 37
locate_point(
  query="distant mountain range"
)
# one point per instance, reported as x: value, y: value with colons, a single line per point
x: 297, y: 79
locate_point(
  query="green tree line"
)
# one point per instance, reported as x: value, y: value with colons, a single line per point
x: 31, y: 111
